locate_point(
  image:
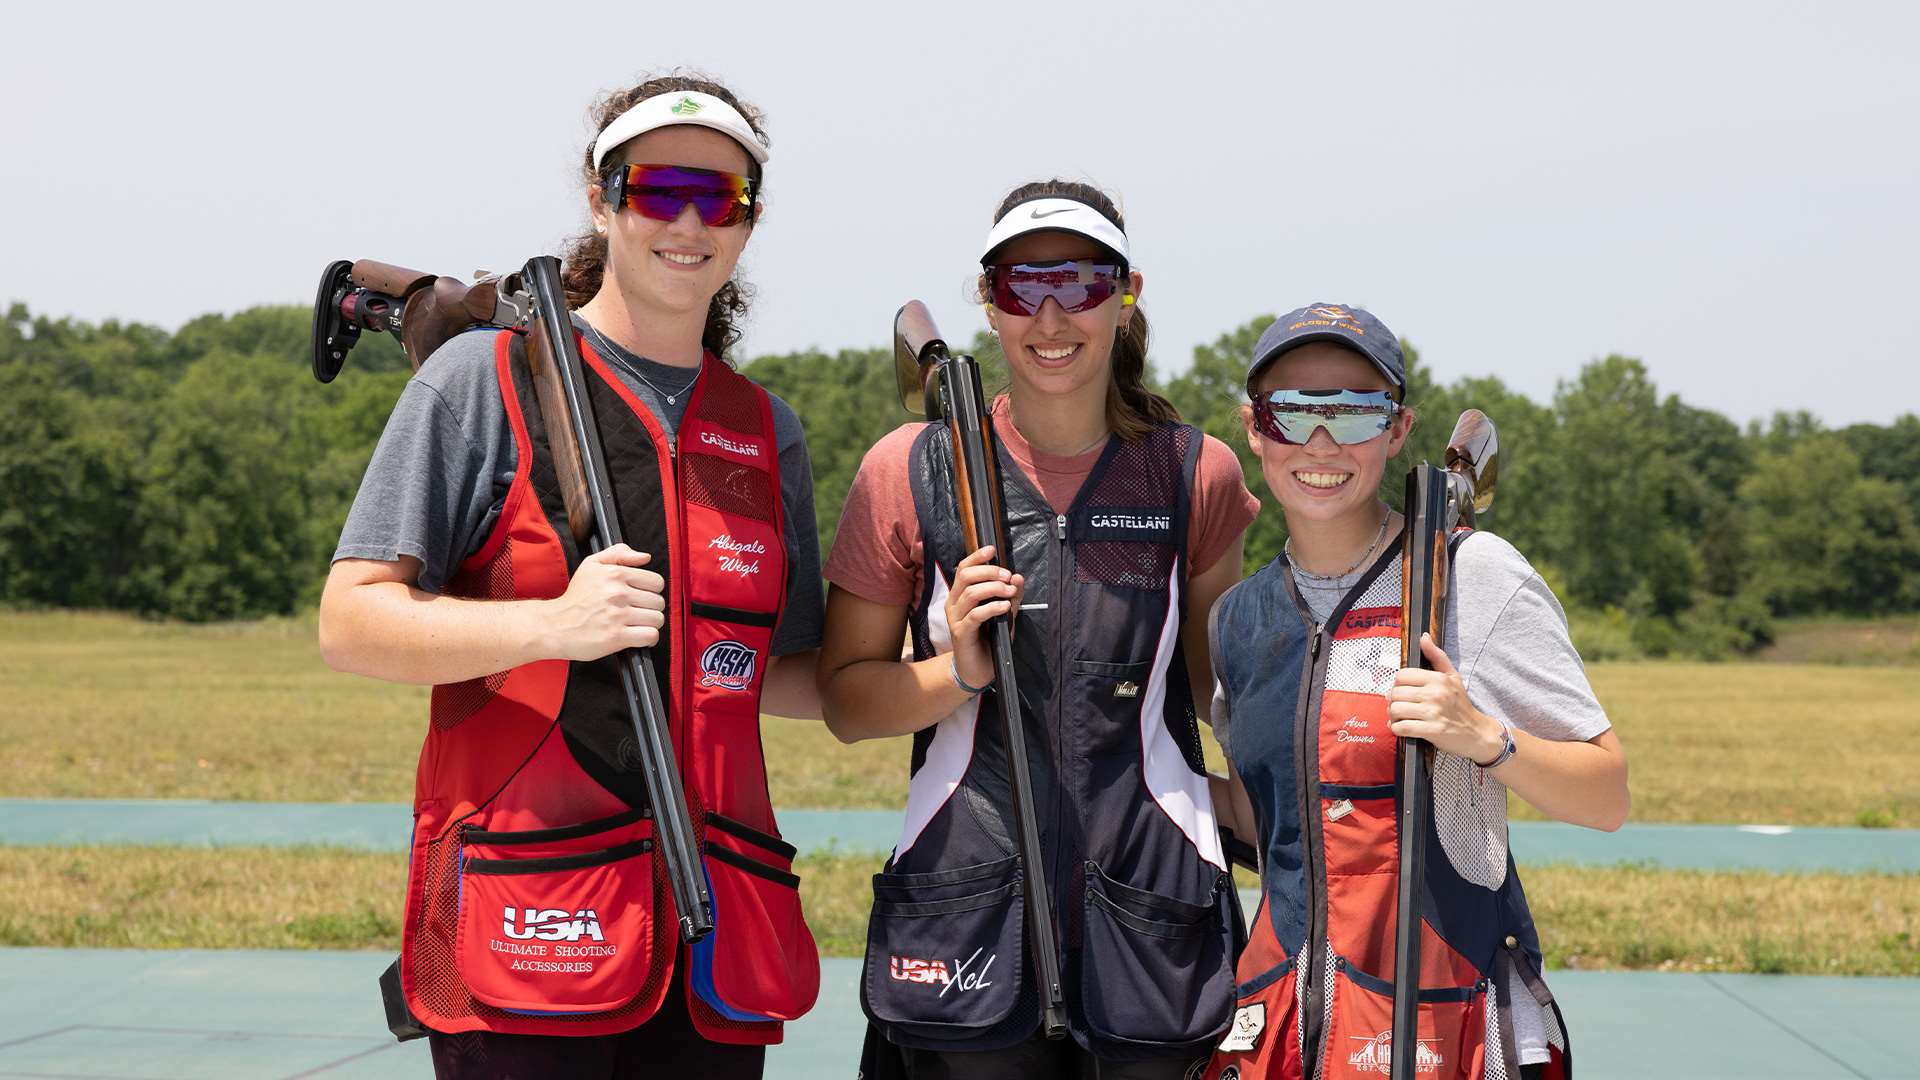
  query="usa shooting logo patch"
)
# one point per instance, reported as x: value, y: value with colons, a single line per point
x: 550, y: 924
x: 727, y: 665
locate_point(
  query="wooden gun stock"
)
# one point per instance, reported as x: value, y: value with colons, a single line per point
x: 396, y: 281
x: 552, y: 396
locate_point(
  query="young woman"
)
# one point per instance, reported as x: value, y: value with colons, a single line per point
x: 1124, y: 525
x: 539, y: 939
x: 1311, y: 697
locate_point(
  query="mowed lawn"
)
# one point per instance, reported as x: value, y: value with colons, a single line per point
x: 1617, y: 917
x: 102, y: 706
x: 106, y: 706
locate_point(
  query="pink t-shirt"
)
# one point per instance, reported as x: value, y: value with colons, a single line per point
x: 876, y: 551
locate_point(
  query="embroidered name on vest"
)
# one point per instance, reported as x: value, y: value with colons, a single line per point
x: 724, y: 443
x: 733, y: 554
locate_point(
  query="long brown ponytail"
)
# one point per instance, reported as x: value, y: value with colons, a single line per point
x: 586, y: 253
x: 1132, y: 408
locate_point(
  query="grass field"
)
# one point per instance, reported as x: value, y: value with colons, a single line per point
x: 105, y: 706
x: 133, y: 897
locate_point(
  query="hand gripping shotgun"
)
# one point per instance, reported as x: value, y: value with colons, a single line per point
x: 424, y: 310
x: 942, y: 385
x: 1438, y: 502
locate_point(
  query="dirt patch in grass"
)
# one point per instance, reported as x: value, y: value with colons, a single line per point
x: 1893, y: 640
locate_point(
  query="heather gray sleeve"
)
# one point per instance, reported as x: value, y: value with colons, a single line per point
x: 804, y: 615
x: 1510, y: 645
x: 442, y: 468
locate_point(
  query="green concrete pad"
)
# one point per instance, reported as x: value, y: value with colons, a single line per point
x: 124, y: 1015
x: 361, y: 826
x: 1775, y: 848
x: 384, y: 827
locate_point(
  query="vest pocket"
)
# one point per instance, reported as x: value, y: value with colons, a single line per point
x: 1451, y: 1028
x: 1153, y: 969
x: 556, y: 920
x: 1100, y: 691
x: 946, y: 950
x: 760, y: 962
x: 1263, y: 1039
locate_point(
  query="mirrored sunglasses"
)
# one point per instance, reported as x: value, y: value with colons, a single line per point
x: 1349, y: 416
x: 1075, y: 284
x: 661, y: 192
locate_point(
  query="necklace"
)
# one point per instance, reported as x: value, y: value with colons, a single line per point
x: 1097, y: 442
x: 614, y: 352
x: 1358, y: 563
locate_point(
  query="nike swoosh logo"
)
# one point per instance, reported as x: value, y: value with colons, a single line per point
x: 1050, y: 213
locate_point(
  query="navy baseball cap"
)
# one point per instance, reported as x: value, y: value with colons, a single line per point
x: 1353, y: 327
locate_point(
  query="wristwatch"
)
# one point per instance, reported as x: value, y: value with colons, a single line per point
x: 1506, y: 752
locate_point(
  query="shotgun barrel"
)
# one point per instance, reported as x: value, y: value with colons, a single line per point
x: 919, y: 353
x: 551, y: 337
x: 1437, y: 502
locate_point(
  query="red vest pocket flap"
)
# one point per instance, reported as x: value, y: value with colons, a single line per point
x: 761, y: 962
x: 1358, y: 1044
x: 555, y: 932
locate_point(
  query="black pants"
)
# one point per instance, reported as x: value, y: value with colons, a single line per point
x: 1042, y: 1058
x: 664, y: 1046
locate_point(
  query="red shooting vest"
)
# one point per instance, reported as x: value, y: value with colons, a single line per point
x: 536, y: 900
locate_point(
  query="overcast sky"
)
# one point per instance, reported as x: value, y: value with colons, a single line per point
x: 1724, y: 190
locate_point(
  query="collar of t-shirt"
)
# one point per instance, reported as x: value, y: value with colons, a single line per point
x: 649, y: 380
x: 1058, y: 477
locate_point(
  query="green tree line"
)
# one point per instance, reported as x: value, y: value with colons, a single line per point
x: 203, y: 474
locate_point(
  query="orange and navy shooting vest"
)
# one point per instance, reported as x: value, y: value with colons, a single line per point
x: 536, y: 900
x: 1311, y: 742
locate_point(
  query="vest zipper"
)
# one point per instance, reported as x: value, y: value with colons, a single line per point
x: 679, y: 569
x: 1055, y: 729
x: 1307, y: 764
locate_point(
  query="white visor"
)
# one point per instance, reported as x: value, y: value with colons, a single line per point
x: 685, y: 107
x: 1066, y: 215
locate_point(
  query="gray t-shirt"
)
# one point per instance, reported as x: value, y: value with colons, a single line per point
x: 1507, y: 636
x: 441, y: 471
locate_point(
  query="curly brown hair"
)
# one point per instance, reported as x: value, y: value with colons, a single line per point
x: 586, y: 253
x: 1132, y: 409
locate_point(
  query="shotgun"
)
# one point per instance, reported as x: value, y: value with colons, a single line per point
x: 1438, y: 502
x: 423, y: 311
x: 943, y: 385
